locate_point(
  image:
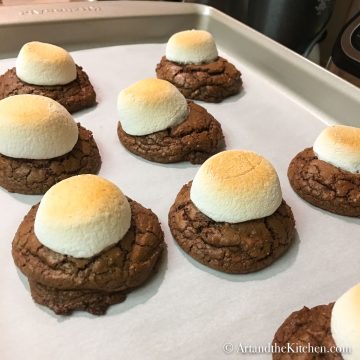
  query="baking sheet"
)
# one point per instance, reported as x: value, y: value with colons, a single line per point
x: 186, y: 311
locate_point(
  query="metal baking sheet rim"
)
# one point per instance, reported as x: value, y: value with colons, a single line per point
x: 94, y: 23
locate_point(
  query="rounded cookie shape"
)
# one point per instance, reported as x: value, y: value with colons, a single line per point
x: 211, y: 82
x: 35, y: 127
x: 40, y: 63
x: 74, y: 96
x: 35, y: 177
x: 233, y: 248
x: 195, y: 139
x: 66, y: 284
x: 305, y: 328
x: 324, y: 185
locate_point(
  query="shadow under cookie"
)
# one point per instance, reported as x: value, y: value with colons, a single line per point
x: 74, y: 96
x: 305, y: 328
x: 211, y: 82
x: 197, y: 138
x: 66, y: 284
x: 324, y: 185
x: 34, y: 177
x: 233, y: 248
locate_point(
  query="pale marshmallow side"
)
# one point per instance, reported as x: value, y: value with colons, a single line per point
x: 191, y: 47
x: 35, y: 127
x: 82, y: 215
x: 339, y: 145
x: 345, y: 322
x: 45, y: 64
x: 151, y: 105
x: 235, y: 186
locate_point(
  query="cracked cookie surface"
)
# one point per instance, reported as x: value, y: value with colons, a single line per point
x: 307, y: 327
x: 324, y: 185
x: 212, y: 82
x: 77, y: 95
x: 233, y: 248
x: 197, y: 138
x: 35, y: 177
x: 65, y: 284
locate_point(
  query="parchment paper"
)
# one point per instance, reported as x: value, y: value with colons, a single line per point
x: 186, y: 311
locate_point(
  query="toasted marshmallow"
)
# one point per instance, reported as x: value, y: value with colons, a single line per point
x: 82, y: 215
x: 35, y: 127
x: 45, y: 64
x: 339, y: 145
x: 345, y: 323
x: 235, y: 186
x: 191, y: 47
x: 151, y: 105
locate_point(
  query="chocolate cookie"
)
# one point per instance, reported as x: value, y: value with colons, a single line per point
x: 324, y: 185
x: 212, y: 82
x: 33, y: 177
x: 77, y: 95
x: 233, y: 248
x: 195, y: 139
x: 65, y: 284
x: 305, y: 328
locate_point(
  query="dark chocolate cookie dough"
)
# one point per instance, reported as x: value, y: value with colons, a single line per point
x: 212, y: 82
x: 324, y: 185
x: 35, y: 177
x: 65, y: 284
x: 307, y: 327
x: 233, y: 248
x: 197, y: 138
x: 77, y: 95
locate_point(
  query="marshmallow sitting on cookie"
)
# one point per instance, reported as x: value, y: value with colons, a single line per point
x: 35, y: 127
x: 235, y: 186
x: 191, y: 47
x: 339, y: 145
x: 151, y: 105
x: 82, y: 215
x: 45, y: 64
